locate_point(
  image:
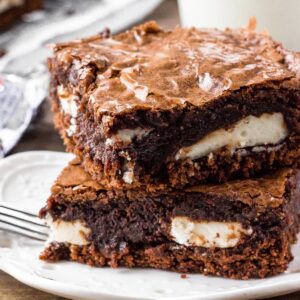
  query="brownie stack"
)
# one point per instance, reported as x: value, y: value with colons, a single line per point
x: 187, y: 145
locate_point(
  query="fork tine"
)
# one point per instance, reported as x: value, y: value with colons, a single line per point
x: 13, y: 208
x: 23, y: 224
x: 21, y: 216
x: 24, y: 232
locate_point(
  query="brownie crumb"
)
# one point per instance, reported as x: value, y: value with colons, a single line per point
x: 105, y: 33
x: 183, y: 276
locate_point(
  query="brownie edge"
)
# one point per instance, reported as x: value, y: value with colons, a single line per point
x: 257, y: 222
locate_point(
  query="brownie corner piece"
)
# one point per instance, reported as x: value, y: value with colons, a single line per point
x: 242, y: 229
x: 150, y: 107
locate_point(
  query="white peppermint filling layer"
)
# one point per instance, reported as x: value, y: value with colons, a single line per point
x: 249, y: 132
x: 207, y: 234
x: 69, y: 232
x: 127, y: 135
x: 69, y: 107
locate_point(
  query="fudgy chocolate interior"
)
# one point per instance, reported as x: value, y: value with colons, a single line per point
x: 174, y: 130
x: 147, y: 221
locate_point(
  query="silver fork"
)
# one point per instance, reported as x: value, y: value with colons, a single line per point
x: 24, y: 223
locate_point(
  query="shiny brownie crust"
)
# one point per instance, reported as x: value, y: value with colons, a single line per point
x: 132, y: 228
x: 85, y: 70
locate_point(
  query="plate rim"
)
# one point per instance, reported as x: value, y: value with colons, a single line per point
x: 286, y: 286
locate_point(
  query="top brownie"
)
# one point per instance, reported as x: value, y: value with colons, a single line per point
x: 154, y: 108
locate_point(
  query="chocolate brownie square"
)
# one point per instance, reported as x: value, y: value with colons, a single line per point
x: 242, y: 229
x: 153, y: 108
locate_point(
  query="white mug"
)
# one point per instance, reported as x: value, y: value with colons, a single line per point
x: 281, y: 18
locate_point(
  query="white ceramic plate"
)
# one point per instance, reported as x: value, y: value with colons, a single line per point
x: 25, y: 182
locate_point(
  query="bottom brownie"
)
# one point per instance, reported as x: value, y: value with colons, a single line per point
x: 270, y: 258
x: 242, y: 229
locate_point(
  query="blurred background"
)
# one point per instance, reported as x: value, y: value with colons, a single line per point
x: 27, y: 26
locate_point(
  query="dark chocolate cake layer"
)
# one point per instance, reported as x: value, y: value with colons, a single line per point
x: 241, y: 229
x: 152, y: 108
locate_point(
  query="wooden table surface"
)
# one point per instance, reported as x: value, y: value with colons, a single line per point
x: 41, y: 136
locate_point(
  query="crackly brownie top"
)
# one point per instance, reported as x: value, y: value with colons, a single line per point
x: 269, y: 190
x: 149, y: 68
x: 74, y: 184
